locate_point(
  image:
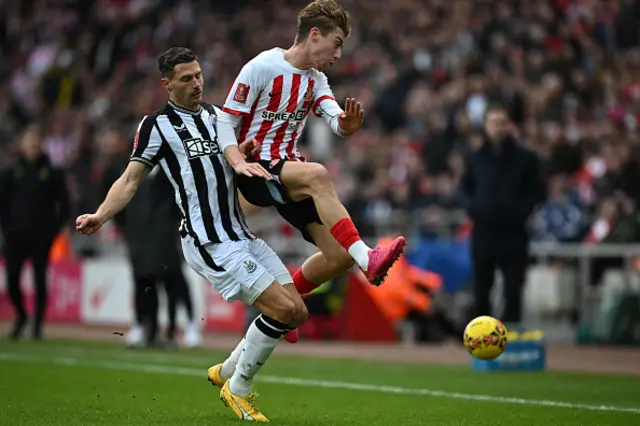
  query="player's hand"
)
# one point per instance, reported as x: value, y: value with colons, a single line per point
x: 252, y: 170
x: 351, y: 119
x: 250, y: 148
x: 88, y: 224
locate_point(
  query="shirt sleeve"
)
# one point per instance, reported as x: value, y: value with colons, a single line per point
x: 325, y: 105
x: 147, y: 143
x: 245, y: 89
x: 225, y: 128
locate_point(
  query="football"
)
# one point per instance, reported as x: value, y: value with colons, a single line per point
x: 485, y: 338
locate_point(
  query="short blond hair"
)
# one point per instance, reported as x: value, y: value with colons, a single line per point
x: 326, y: 15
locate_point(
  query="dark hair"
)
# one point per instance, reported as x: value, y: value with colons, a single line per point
x: 174, y: 56
x: 326, y: 15
x: 496, y: 107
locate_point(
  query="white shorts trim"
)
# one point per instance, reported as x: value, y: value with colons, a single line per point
x: 238, y: 270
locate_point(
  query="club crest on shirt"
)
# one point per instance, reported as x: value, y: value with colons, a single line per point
x: 308, y: 96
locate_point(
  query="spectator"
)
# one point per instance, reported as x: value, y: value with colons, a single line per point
x: 568, y: 72
x: 616, y: 222
x: 561, y: 219
x: 502, y: 186
x: 34, y: 206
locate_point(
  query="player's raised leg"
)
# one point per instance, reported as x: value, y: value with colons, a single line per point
x: 304, y: 180
x: 331, y: 261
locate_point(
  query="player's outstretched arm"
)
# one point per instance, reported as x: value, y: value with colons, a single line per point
x: 120, y: 194
x: 350, y: 121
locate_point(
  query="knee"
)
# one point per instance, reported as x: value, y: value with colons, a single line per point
x: 318, y: 178
x: 300, y: 316
x: 285, y: 311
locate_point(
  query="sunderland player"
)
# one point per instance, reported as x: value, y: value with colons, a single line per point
x: 198, y: 152
x: 269, y: 101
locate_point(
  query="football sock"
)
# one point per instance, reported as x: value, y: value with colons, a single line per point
x: 302, y: 284
x: 229, y: 364
x: 347, y: 235
x: 260, y: 341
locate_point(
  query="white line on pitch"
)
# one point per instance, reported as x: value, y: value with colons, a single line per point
x: 186, y: 371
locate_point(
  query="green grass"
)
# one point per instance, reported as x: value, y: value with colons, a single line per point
x: 77, y: 383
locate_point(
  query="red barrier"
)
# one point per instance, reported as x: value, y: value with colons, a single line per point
x: 364, y: 320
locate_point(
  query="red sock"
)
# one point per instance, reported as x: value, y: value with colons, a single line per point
x: 303, y: 285
x: 345, y: 233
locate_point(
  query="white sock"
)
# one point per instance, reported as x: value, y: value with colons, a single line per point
x: 360, y: 253
x: 229, y: 364
x: 260, y: 341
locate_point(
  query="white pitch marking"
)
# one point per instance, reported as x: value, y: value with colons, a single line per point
x: 293, y: 381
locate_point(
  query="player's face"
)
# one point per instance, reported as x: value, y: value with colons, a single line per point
x: 327, y: 49
x: 497, y: 125
x: 186, y: 84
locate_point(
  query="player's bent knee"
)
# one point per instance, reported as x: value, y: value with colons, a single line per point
x: 276, y: 303
x: 300, y: 316
x: 318, y: 177
x: 286, y: 312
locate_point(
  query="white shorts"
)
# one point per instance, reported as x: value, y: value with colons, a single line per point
x: 238, y: 270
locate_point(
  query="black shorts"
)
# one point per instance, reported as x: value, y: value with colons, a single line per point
x: 263, y: 193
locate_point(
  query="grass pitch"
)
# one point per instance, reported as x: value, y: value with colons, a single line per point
x: 77, y: 383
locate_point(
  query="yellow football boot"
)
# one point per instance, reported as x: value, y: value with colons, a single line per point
x: 214, y: 377
x: 243, y: 407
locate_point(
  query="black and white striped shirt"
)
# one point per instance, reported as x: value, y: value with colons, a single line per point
x: 185, y: 144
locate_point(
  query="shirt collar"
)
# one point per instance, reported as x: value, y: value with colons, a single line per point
x: 184, y: 110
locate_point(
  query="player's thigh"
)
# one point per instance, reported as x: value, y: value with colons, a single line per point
x: 299, y: 178
x: 338, y: 259
x: 230, y: 267
x: 270, y: 261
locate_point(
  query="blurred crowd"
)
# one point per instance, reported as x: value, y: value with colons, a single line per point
x: 425, y: 70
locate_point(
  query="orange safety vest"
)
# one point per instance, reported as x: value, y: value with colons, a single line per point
x: 61, y: 248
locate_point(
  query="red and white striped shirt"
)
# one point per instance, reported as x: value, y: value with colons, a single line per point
x: 274, y: 99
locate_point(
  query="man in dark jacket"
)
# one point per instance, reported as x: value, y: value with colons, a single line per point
x: 34, y: 205
x: 502, y: 185
x: 149, y: 225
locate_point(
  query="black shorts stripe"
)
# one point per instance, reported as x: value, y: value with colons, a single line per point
x: 209, y: 260
x: 222, y: 193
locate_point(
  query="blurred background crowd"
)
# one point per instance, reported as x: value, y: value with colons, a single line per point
x: 568, y: 71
